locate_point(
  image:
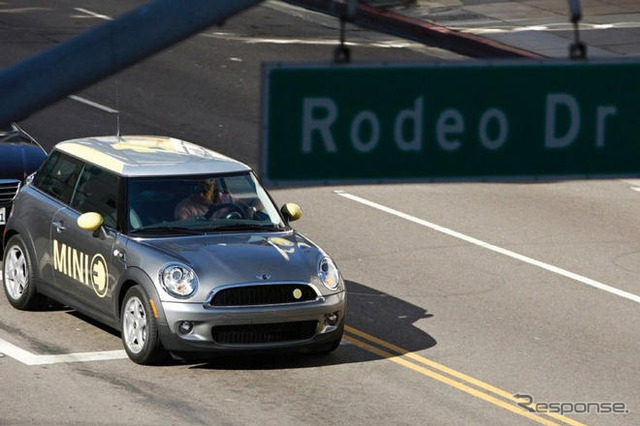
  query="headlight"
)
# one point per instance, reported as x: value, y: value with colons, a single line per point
x: 179, y: 280
x: 328, y: 273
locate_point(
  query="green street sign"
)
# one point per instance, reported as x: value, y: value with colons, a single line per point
x: 324, y: 123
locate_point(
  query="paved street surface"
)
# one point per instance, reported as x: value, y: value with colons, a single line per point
x: 469, y: 303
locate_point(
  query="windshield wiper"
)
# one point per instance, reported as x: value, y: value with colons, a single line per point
x: 173, y: 230
x: 248, y: 227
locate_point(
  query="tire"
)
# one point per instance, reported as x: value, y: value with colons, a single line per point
x: 139, y: 329
x: 19, y: 276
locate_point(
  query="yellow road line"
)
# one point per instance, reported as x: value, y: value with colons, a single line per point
x: 400, y: 352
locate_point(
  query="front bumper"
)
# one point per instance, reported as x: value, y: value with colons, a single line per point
x: 295, y: 327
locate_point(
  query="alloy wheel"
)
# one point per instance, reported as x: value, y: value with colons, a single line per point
x: 134, y: 325
x: 16, y: 273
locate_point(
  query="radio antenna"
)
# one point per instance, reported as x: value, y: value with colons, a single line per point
x: 118, y: 108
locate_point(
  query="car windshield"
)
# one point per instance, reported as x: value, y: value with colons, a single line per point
x: 179, y: 205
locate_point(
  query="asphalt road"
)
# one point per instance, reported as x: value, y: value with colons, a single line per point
x: 461, y: 295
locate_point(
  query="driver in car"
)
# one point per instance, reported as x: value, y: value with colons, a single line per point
x: 202, y: 204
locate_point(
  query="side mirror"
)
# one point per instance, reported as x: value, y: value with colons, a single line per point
x: 291, y: 211
x: 90, y: 221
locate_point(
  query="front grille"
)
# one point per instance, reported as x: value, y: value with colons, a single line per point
x: 270, y: 294
x: 254, y: 334
x: 8, y: 189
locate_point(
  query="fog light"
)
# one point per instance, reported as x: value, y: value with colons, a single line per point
x: 185, y: 327
x: 332, y: 319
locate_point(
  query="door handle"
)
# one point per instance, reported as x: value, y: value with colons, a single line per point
x: 59, y: 227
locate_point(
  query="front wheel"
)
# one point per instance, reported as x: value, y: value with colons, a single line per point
x: 140, y: 329
x: 19, y: 276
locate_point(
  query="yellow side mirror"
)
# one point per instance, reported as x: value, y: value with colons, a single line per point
x: 291, y: 211
x: 90, y: 221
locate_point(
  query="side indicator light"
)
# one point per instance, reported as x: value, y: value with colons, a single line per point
x: 153, y: 308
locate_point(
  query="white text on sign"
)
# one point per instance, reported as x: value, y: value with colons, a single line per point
x: 451, y: 127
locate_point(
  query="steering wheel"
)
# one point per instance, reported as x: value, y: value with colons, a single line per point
x: 235, y: 212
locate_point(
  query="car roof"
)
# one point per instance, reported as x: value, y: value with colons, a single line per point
x: 149, y: 156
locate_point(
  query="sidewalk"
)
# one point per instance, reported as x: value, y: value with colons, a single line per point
x: 499, y: 28
x: 610, y: 28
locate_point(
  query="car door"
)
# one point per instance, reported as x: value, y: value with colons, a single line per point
x: 85, y: 267
x: 52, y: 190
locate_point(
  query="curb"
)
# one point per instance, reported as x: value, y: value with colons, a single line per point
x: 414, y: 29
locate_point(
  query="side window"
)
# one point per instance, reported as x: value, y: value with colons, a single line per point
x: 58, y: 176
x: 97, y: 192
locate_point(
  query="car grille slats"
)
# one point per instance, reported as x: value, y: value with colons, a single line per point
x: 255, y: 334
x: 8, y: 189
x: 272, y: 294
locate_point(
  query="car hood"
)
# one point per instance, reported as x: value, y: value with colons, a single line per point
x: 18, y: 160
x: 225, y: 259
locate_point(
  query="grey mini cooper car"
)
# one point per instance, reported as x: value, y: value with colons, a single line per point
x: 178, y: 247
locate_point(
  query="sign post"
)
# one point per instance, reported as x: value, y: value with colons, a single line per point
x: 577, y: 49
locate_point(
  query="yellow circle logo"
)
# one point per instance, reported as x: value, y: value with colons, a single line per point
x: 99, y: 275
x: 297, y: 293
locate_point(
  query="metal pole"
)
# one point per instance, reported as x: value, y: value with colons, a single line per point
x: 97, y: 53
x: 577, y: 49
x: 342, y: 53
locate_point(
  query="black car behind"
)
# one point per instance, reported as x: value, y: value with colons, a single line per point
x: 20, y: 155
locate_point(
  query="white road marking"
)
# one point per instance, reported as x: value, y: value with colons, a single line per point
x: 94, y: 14
x: 514, y: 255
x: 554, y: 26
x: 22, y: 9
x: 263, y: 40
x: 93, y: 104
x: 387, y: 44
x: 28, y: 358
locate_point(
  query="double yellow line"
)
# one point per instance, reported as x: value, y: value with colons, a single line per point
x: 448, y: 376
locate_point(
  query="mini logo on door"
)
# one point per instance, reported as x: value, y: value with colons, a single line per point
x: 99, y: 275
x: 82, y: 267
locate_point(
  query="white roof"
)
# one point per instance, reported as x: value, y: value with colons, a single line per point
x: 149, y: 156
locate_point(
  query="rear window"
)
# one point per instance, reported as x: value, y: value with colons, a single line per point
x: 58, y: 176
